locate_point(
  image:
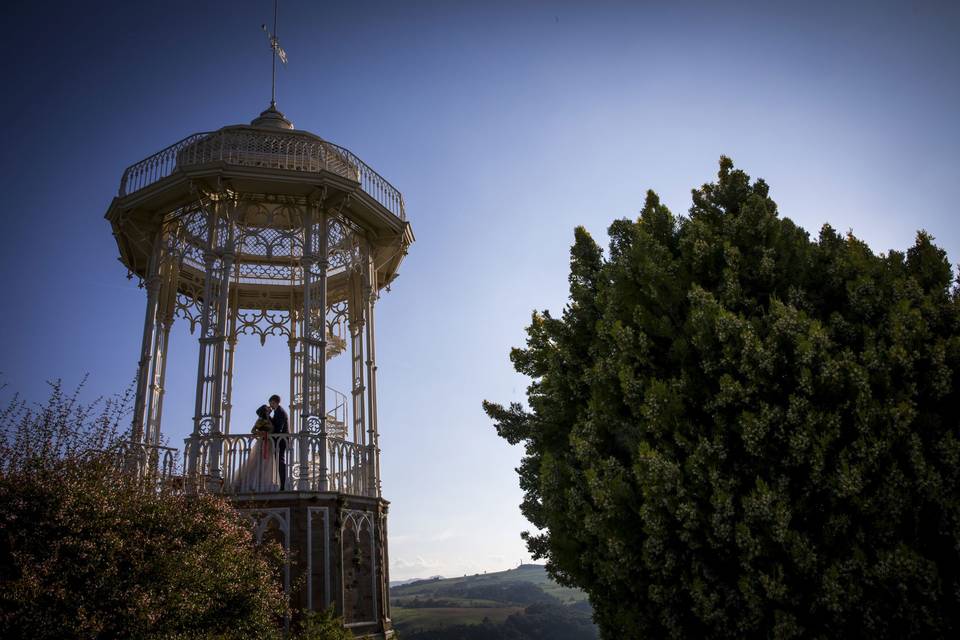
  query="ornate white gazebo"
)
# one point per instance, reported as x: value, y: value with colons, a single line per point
x: 266, y: 230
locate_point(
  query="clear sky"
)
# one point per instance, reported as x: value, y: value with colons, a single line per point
x: 504, y: 124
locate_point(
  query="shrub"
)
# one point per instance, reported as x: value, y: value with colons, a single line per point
x: 87, y: 550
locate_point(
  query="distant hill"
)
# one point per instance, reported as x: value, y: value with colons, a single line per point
x: 400, y: 583
x: 535, y: 574
x: 519, y: 603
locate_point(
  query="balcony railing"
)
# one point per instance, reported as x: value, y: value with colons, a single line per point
x: 252, y: 148
x: 251, y: 464
x: 146, y: 461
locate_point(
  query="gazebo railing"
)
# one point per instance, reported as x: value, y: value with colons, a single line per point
x: 252, y: 148
x: 374, y: 185
x: 249, y: 464
x: 147, y: 461
x: 155, y: 168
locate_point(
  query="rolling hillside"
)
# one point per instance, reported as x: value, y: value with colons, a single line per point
x: 519, y: 603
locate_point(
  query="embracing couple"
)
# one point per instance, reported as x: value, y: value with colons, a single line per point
x: 266, y: 467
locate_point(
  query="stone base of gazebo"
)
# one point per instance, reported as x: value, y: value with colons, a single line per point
x: 336, y: 553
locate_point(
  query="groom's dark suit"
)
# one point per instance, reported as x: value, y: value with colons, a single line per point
x: 279, y: 420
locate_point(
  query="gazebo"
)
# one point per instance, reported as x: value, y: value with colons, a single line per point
x: 266, y: 230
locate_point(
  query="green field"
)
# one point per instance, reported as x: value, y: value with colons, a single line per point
x: 469, y: 600
x: 404, y: 618
x: 410, y: 602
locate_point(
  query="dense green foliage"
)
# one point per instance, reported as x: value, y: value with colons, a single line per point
x: 735, y: 431
x: 320, y: 625
x: 89, y: 552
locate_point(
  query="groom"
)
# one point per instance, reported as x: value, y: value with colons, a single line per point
x: 279, y: 420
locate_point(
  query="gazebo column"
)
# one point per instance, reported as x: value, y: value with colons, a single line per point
x: 356, y: 314
x: 152, y: 284
x: 313, y: 346
x: 296, y: 390
x: 357, y: 386
x: 294, y: 378
x: 231, y: 349
x: 208, y: 414
x: 355, y: 322
x: 373, y: 435
x: 159, y: 383
x: 165, y: 309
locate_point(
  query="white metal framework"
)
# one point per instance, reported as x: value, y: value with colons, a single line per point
x: 267, y: 231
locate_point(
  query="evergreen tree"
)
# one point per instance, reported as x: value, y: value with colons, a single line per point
x: 735, y: 431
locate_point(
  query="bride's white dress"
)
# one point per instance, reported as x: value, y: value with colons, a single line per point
x: 258, y: 474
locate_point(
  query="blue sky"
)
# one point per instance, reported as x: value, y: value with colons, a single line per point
x: 505, y: 124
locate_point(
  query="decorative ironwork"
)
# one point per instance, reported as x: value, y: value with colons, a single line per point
x: 156, y: 465
x: 269, y: 273
x: 346, y: 461
x: 336, y: 416
x: 189, y: 308
x: 374, y: 185
x: 156, y: 167
x: 263, y: 323
x: 265, y: 263
x: 347, y: 468
x: 267, y: 247
x: 344, y: 244
x: 269, y: 230
x: 337, y: 316
x: 249, y: 147
x: 314, y: 425
x: 205, y: 426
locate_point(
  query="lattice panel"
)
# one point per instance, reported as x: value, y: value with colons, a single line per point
x: 270, y: 242
x: 342, y: 243
x: 189, y: 307
x: 263, y: 323
x: 337, y: 315
x: 270, y: 273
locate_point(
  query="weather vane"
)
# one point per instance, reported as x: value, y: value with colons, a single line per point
x: 278, y: 52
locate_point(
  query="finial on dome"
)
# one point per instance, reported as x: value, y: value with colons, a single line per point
x: 272, y: 118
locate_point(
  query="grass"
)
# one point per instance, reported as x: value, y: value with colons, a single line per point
x: 454, y: 601
x: 469, y: 610
x: 404, y: 618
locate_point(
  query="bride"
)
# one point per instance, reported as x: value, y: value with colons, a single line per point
x: 256, y: 475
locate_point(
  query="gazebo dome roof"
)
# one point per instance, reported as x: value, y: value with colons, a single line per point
x: 273, y: 170
x: 272, y: 118
x: 268, y: 143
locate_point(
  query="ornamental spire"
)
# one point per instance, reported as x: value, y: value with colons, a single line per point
x: 278, y: 52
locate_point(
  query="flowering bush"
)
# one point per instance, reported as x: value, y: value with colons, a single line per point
x: 87, y: 550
